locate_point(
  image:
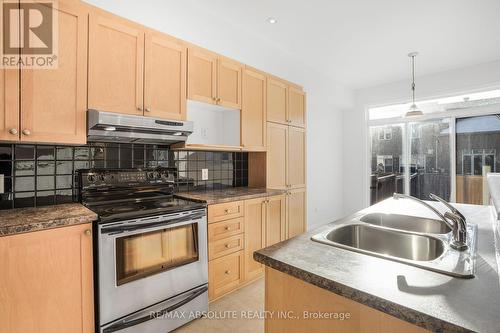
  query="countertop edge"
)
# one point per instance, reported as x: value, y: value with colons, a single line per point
x: 54, y: 224
x: 197, y: 197
x: 396, y: 310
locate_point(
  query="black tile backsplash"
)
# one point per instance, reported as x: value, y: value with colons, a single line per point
x: 40, y: 175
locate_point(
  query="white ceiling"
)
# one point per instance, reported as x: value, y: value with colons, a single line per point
x: 362, y: 43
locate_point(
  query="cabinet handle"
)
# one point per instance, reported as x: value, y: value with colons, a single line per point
x: 88, y: 232
x: 227, y: 272
x: 148, y: 110
x: 13, y: 131
x: 26, y: 132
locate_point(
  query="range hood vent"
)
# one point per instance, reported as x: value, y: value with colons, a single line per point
x: 115, y: 127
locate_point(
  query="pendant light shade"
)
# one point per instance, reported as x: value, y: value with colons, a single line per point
x: 413, y: 111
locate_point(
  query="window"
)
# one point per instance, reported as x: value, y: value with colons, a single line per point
x: 385, y: 134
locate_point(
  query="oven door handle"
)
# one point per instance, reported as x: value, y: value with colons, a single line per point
x: 125, y: 324
x: 147, y: 225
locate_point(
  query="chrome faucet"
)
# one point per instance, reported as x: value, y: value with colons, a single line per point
x: 458, y: 223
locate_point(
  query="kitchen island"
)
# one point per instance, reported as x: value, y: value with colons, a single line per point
x: 379, y: 295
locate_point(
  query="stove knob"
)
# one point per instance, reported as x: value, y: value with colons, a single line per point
x: 102, y: 177
x: 91, y: 178
x: 151, y: 175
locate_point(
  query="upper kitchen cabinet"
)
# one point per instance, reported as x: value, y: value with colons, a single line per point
x: 285, y: 103
x: 277, y: 147
x: 296, y: 155
x: 296, y: 107
x: 229, y: 83
x: 253, y: 111
x: 165, y: 77
x: 9, y: 104
x: 277, y: 100
x: 116, y: 64
x: 202, y: 75
x: 53, y: 101
x: 213, y: 79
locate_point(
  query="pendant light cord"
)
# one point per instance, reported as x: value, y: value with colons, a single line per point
x: 413, y: 78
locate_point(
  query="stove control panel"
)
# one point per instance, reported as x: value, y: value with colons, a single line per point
x: 96, y: 178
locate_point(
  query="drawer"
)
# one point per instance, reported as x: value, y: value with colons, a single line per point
x: 225, y: 246
x: 225, y: 229
x: 225, y: 211
x: 225, y: 274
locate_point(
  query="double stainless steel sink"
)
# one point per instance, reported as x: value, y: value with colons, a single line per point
x: 417, y: 241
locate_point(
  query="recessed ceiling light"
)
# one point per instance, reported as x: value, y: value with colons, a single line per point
x: 272, y: 20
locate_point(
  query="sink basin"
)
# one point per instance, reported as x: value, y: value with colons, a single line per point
x: 406, y: 222
x: 415, y: 241
x: 388, y: 242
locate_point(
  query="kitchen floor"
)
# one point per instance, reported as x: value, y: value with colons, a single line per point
x: 248, y: 300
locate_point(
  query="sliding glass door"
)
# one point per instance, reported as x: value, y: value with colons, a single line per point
x: 429, y: 143
x: 477, y: 153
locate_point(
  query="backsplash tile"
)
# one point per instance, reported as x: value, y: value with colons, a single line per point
x: 40, y: 175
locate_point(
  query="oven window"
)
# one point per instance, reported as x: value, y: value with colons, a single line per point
x: 148, y: 253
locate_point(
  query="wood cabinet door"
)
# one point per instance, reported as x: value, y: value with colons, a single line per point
x: 277, y: 155
x: 9, y: 105
x: 46, y: 282
x: 54, y: 101
x: 277, y: 101
x: 296, y: 165
x: 202, y: 75
x: 296, y: 212
x: 116, y: 64
x: 275, y: 219
x: 165, y: 78
x: 229, y: 83
x: 296, y: 107
x: 253, y: 111
x: 255, y: 215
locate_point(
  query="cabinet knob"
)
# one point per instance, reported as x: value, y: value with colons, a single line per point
x: 227, y: 228
x: 226, y: 211
x: 13, y: 131
x: 88, y: 232
x: 227, y: 272
x: 139, y: 108
x: 218, y: 99
x: 26, y: 132
x: 227, y: 246
x: 148, y: 110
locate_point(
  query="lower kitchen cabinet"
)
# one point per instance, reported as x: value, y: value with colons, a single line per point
x: 46, y: 281
x: 260, y: 222
x: 225, y: 274
x: 255, y: 226
x: 296, y: 212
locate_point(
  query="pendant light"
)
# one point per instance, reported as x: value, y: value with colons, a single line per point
x: 414, y: 110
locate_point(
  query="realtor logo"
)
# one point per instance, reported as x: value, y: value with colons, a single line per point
x: 29, y: 34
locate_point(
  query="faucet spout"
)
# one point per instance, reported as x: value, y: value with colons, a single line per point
x: 441, y: 216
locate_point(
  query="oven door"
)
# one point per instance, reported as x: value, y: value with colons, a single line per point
x: 148, y: 260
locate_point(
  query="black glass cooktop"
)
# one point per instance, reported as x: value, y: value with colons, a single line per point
x: 125, y: 210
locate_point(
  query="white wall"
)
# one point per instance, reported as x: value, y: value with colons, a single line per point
x: 325, y: 98
x: 355, y: 164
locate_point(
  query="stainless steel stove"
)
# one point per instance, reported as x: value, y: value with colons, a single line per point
x: 151, y: 249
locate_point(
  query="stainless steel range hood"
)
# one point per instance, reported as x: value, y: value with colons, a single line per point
x: 115, y: 127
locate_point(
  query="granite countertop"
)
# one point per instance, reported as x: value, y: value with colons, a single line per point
x: 228, y: 194
x: 20, y: 220
x: 434, y: 301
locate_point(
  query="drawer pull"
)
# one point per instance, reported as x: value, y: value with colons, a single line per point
x: 227, y: 228
x: 226, y: 211
x: 227, y: 246
x: 227, y: 272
